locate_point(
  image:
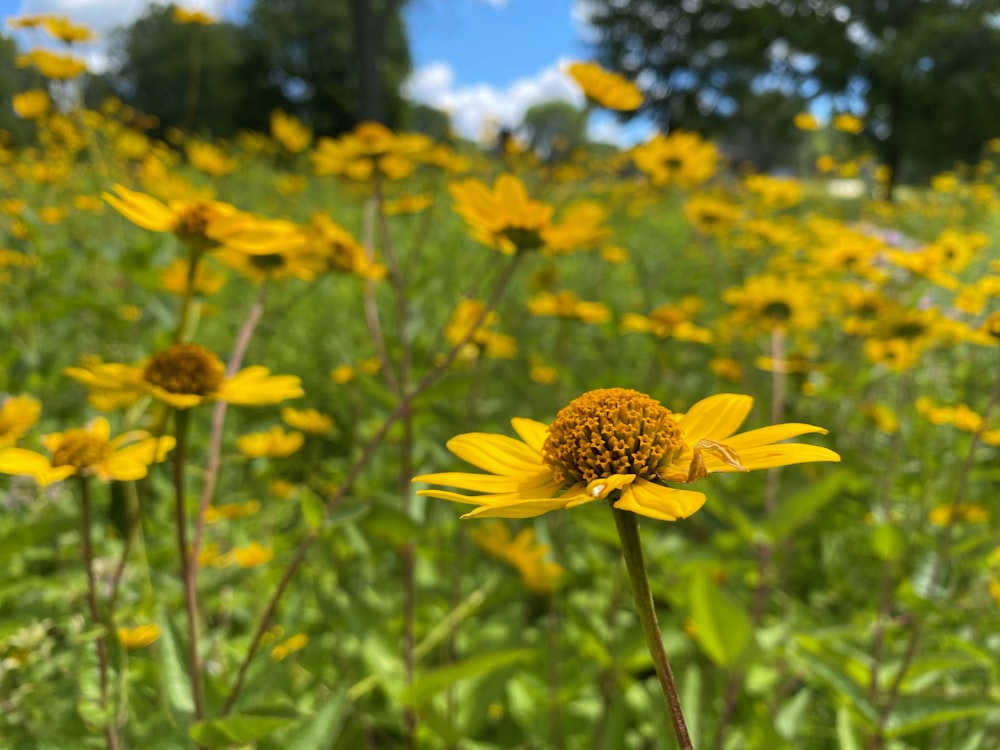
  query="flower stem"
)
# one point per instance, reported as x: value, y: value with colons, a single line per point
x: 188, y: 564
x: 110, y: 736
x: 628, y: 533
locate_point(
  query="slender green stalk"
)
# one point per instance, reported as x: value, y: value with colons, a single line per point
x: 194, y: 260
x: 110, y: 735
x: 188, y: 564
x: 628, y: 533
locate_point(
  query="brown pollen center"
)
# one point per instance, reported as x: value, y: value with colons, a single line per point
x: 185, y: 368
x: 81, y: 449
x: 610, y: 431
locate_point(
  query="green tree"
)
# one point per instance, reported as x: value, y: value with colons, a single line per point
x: 187, y: 75
x: 332, y: 63
x: 554, y: 128
x: 926, y: 73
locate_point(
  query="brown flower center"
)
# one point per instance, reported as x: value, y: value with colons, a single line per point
x: 81, y: 449
x: 185, y: 368
x: 610, y: 431
x: 192, y: 223
x: 524, y: 238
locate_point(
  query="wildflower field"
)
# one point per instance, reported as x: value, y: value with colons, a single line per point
x: 727, y: 444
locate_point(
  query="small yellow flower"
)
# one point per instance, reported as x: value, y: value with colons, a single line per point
x: 63, y: 29
x: 605, y: 88
x: 543, y: 373
x: 296, y: 643
x: 484, y: 341
x: 639, y: 450
x: 252, y: 555
x: 229, y: 511
x: 566, y: 304
x: 30, y: 105
x: 847, y: 123
x: 110, y: 385
x: 276, y: 443
x: 522, y: 552
x: 727, y: 369
x: 681, y: 158
x: 138, y: 637
x: 88, y: 451
x: 505, y: 217
x: 18, y: 414
x: 342, y: 374
x: 53, y: 64
x: 199, y: 17
x: 191, y: 221
x: 949, y: 513
x: 806, y: 121
x: 210, y: 159
x: 174, y: 278
x: 307, y: 420
x: 289, y: 132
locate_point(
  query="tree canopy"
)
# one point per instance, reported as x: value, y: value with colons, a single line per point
x: 925, y: 74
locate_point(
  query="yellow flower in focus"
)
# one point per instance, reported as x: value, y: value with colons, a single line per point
x: 605, y: 88
x: 52, y: 64
x: 63, y: 29
x: 30, y: 105
x: 88, y: 451
x: 275, y: 443
x: 18, y: 414
x: 950, y: 513
x: 618, y: 444
x: 806, y: 121
x: 209, y: 158
x: 566, y: 304
x: 522, y: 552
x: 289, y: 131
x: 847, y: 123
x: 174, y: 278
x: 307, y: 420
x: 138, y: 637
x: 199, y: 17
x: 681, y: 158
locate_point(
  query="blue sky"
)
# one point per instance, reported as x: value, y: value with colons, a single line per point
x: 483, y: 61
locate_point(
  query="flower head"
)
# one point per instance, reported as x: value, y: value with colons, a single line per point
x: 604, y: 87
x: 88, y: 451
x: 619, y: 444
x: 18, y: 414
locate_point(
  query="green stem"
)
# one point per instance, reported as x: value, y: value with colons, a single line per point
x: 110, y: 736
x: 194, y: 259
x: 188, y: 564
x: 628, y: 533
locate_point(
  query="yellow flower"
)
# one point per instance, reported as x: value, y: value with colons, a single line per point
x: 505, y: 217
x: 774, y: 302
x: 174, y: 278
x: 30, y: 105
x: 847, y: 123
x: 604, y: 87
x: 711, y: 215
x: 484, y: 341
x: 409, y: 204
x: 276, y: 443
x: 289, y: 132
x: 670, y: 321
x: 295, y: 643
x: 342, y: 374
x: 110, y: 385
x: 618, y: 444
x: 825, y: 164
x: 806, y: 121
x: 371, y: 148
x: 190, y: 221
x: 566, y: 304
x: 52, y: 64
x: 252, y: 555
x: 28, y: 22
x: 949, y: 513
x: 523, y: 552
x: 63, y: 29
x: 199, y: 17
x: 680, y: 158
x: 210, y: 159
x: 266, y: 248
x: 774, y: 192
x: 185, y: 375
x: 307, y: 420
x: 229, y: 511
x: 727, y: 369
x: 339, y: 250
x: 88, y: 451
x: 138, y: 637
x: 542, y: 373
x: 18, y: 414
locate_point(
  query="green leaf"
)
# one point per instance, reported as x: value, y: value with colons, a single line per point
x: 312, y: 510
x: 916, y: 712
x: 845, y: 734
x: 722, y: 628
x: 389, y: 525
x: 888, y: 542
x: 173, y: 674
x: 238, y: 729
x: 426, y: 685
x: 801, y: 507
x: 24, y: 537
x: 320, y: 731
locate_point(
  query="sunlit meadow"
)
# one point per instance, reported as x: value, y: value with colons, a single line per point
x: 231, y: 374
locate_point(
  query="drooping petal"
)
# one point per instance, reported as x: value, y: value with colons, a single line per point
x: 256, y: 385
x: 662, y: 503
x: 772, y: 434
x: 531, y: 432
x: 497, y: 453
x: 521, y: 509
x: 769, y: 456
x: 142, y: 210
x: 489, y: 483
x: 716, y: 417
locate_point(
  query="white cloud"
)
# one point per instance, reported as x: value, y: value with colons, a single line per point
x: 480, y: 108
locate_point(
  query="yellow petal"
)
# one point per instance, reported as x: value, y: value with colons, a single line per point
x: 531, y: 432
x: 488, y: 483
x: 662, y: 503
x: 255, y: 385
x: 522, y: 509
x: 497, y: 453
x: 716, y: 417
x: 599, y: 488
x: 769, y: 435
x: 781, y: 454
x: 142, y: 210
x: 21, y: 462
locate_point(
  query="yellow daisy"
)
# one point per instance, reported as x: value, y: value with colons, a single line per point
x: 275, y: 443
x: 619, y: 444
x: 88, y: 451
x: 18, y: 414
x: 605, y: 88
x: 138, y: 637
x: 190, y: 221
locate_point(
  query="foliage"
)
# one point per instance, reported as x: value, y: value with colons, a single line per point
x: 553, y: 129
